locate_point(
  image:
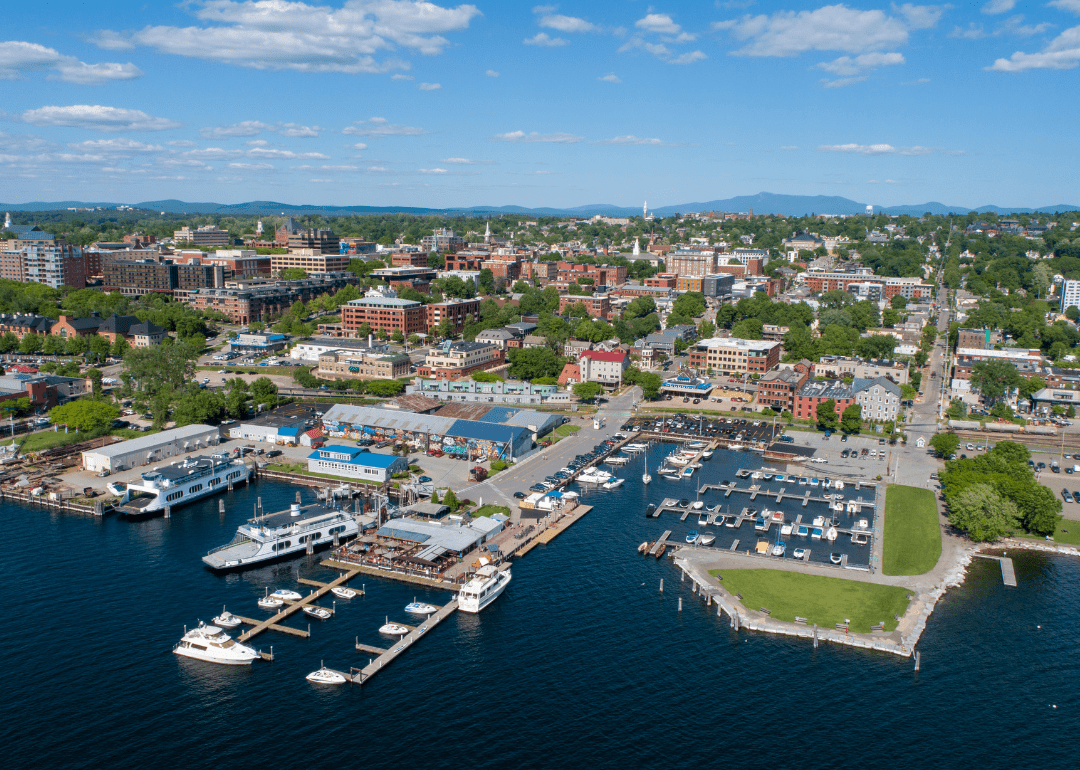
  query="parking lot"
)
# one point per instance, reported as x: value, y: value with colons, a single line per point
x: 727, y: 428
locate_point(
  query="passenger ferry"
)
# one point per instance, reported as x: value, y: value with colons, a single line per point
x: 277, y: 535
x: 483, y: 588
x: 178, y: 484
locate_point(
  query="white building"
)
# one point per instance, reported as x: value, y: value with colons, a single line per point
x: 879, y: 399
x: 355, y: 463
x: 1070, y: 294
x: 150, y: 449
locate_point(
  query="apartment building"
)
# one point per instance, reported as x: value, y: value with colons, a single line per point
x: 839, y: 367
x: 319, y: 241
x: 311, y: 261
x: 409, y: 259
x: 816, y: 392
x: 254, y: 300
x: 979, y: 339
x: 879, y: 399
x: 603, y: 367
x: 730, y: 355
x: 1070, y: 294
x: 466, y: 260
x: 361, y: 365
x: 387, y: 313
x: 457, y: 360
x: 596, y: 305
x: 777, y: 389
x: 418, y: 278
x: 442, y: 240
x: 821, y: 281
x: 459, y: 311
x: 1028, y: 361
x: 237, y: 263
x: 687, y: 263
x: 207, y: 235
x: 134, y: 278
x: 46, y: 262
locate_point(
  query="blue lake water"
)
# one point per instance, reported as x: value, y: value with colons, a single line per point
x: 581, y: 663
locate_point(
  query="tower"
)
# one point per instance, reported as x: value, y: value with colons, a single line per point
x: 7, y: 221
x: 487, y: 232
x: 259, y: 228
x: 637, y: 247
x: 645, y: 210
x: 869, y: 211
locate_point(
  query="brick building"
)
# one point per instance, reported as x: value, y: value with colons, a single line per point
x: 388, y: 313
x: 361, y: 365
x: 457, y: 360
x: 815, y: 392
x: 311, y: 261
x: 777, y: 389
x: 459, y: 311
x: 730, y: 355
x: 596, y: 305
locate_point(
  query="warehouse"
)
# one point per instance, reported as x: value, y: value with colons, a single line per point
x: 272, y: 427
x: 150, y: 449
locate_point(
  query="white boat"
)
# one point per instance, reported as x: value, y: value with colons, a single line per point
x: 778, y: 549
x: 393, y: 629
x: 706, y: 455
x: 707, y: 539
x: 325, y: 676
x: 268, y: 602
x: 315, y: 611
x: 617, y: 460
x: 484, y: 588
x: 342, y: 592
x: 282, y: 534
x: 687, y: 472
x: 419, y: 608
x: 645, y: 477
x: 799, y: 553
x: 594, y: 476
x: 226, y: 620
x: 735, y: 446
x: 286, y: 595
x: 819, y: 521
x: 785, y: 529
x: 692, y: 537
x: 180, y: 483
x: 613, y: 484
x: 671, y: 476
x: 697, y: 505
x: 213, y: 645
x: 697, y: 445
x: 635, y: 447
x: 678, y: 460
x: 756, y: 475
x: 831, y: 533
x: 703, y: 520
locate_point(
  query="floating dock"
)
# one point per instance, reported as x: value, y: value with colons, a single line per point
x: 361, y: 676
x: 1008, y: 573
x: 274, y: 623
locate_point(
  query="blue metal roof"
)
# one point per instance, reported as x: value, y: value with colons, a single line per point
x: 358, y: 456
x: 483, y: 431
x: 288, y: 431
x: 499, y: 414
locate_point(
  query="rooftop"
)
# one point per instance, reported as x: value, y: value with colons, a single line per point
x: 187, y: 433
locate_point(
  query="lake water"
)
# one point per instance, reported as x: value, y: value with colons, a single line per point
x: 581, y: 663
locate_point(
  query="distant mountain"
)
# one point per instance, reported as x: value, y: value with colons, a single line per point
x: 762, y: 203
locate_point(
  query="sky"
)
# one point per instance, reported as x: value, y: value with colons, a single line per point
x: 434, y: 104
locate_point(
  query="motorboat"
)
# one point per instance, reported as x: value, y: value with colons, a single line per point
x: 644, y: 547
x: 684, y: 503
x: 393, y: 629
x: 696, y: 445
x: 778, y: 517
x: 691, y: 536
x: 735, y: 446
x: 342, y: 592
x: 714, y: 509
x: 707, y: 454
x: 226, y: 620
x: 862, y: 524
x: 760, y: 525
x: 839, y: 484
x: 801, y: 531
x: 707, y: 539
x: 697, y: 505
x: 799, y: 553
x: 779, y: 477
x: 756, y: 475
x: 420, y: 608
x: 326, y: 676
x: 779, y: 548
x: 613, y: 484
x: 650, y: 509
x: 635, y: 447
x: 315, y: 611
x: 660, y: 550
x: 703, y: 520
x: 617, y: 460
x: 803, y: 481
x: 678, y: 460
x: 819, y: 521
x: 687, y: 472
x: 286, y: 595
x: 831, y: 534
x: 816, y: 533
x: 836, y: 558
x: 859, y: 538
x: 484, y: 588
x: 742, y: 474
x: 271, y: 602
x: 730, y: 523
x: 815, y: 482
x: 785, y: 529
x: 594, y: 476
x: 213, y: 645
x: 671, y: 476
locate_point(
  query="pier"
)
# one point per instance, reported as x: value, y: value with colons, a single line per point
x: 361, y: 676
x: 1008, y: 574
x: 275, y: 623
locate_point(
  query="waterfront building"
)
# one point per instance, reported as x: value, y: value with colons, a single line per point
x: 356, y: 463
x: 150, y: 449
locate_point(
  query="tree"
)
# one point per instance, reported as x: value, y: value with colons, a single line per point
x: 957, y: 410
x: 995, y: 379
x: 587, y: 391
x: 450, y: 499
x: 95, y: 376
x: 826, y: 415
x: 898, y: 302
x: 1072, y: 313
x: 945, y: 444
x: 161, y: 367
x: 199, y: 406
x: 530, y: 363
x: 53, y: 345
x: 85, y: 415
x: 1001, y: 411
x: 236, y: 403
x: 30, y: 343
x: 293, y: 274
x: 982, y: 513
x: 851, y: 421
x: 385, y: 388
x: 264, y: 392
x: 120, y: 347
x: 435, y: 496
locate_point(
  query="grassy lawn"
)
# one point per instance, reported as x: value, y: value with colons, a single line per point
x: 912, y: 534
x: 286, y: 370
x: 567, y: 430
x: 1070, y: 537
x: 488, y: 510
x: 39, y: 442
x: 824, y: 601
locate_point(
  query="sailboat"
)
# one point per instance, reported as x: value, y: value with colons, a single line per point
x: 645, y: 477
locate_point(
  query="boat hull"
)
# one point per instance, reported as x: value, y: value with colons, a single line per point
x: 217, y: 563
x: 194, y: 654
x: 475, y: 605
x: 133, y: 510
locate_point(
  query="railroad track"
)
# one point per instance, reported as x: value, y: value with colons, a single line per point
x: 1072, y: 442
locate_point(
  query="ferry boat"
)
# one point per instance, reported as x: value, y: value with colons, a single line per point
x: 178, y: 484
x: 282, y: 534
x: 213, y: 645
x: 483, y: 588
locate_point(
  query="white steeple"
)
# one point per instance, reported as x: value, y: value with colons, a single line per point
x: 645, y: 210
x: 7, y: 220
x: 487, y: 232
x: 637, y: 247
x: 259, y: 228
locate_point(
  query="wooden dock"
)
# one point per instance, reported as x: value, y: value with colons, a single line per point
x: 407, y: 641
x: 552, y: 532
x: 275, y: 627
x: 662, y: 541
x: 294, y: 607
x: 1008, y: 573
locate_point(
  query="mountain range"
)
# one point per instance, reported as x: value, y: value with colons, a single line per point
x: 762, y: 203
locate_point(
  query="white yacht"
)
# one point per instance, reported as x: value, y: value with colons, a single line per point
x: 226, y: 620
x: 213, y: 645
x: 594, y: 476
x: 178, y: 484
x: 286, y: 533
x: 393, y: 629
x: 287, y: 595
x: 314, y: 611
x: 645, y: 477
x: 420, y: 608
x: 325, y: 676
x: 342, y: 592
x: 483, y: 588
x: 613, y: 483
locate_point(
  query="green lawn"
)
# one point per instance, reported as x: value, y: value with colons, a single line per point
x: 488, y: 510
x: 248, y: 369
x: 567, y: 430
x: 1071, y: 537
x: 824, y: 601
x: 912, y: 543
x: 38, y: 442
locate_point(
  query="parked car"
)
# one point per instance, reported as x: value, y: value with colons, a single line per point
x: 273, y: 453
x: 520, y: 495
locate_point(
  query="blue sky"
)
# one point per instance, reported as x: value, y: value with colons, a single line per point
x: 395, y: 102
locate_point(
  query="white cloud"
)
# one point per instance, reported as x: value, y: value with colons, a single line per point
x: 358, y: 146
x: 97, y: 118
x: 432, y: 170
x: 115, y: 146
x: 466, y: 162
x: 257, y: 143
x: 295, y: 131
x: 844, y: 82
x: 181, y: 143
x: 877, y: 149
x: 17, y: 58
x: 789, y: 147
x: 378, y: 169
x: 276, y: 34
x: 998, y: 6
x: 492, y: 74
x: 430, y: 87
x: 544, y: 40
x: 661, y: 51
x: 522, y: 137
x: 919, y: 82
x: 659, y: 23
x: 830, y: 28
x: 252, y: 166
x: 630, y: 139
x: 340, y: 168
x: 566, y: 23
x: 611, y: 77
x: 685, y: 37
x: 268, y: 152
x: 848, y: 66
x: 1066, y: 5
x: 1062, y: 53
x: 688, y: 58
x: 1015, y: 26
x: 211, y: 153
x: 380, y: 127
x: 321, y: 181
x: 243, y: 128
x: 399, y: 76
x: 973, y: 31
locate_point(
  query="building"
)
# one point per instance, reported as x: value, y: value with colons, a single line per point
x: 429, y: 547
x: 153, y: 448
x: 356, y: 463
x: 499, y: 391
x: 838, y: 367
x: 139, y: 334
x: 361, y: 365
x: 603, y: 367
x: 45, y: 262
x: 1028, y: 361
x: 318, y: 241
x: 387, y: 313
x: 879, y: 399
x: 207, y: 235
x: 1070, y: 294
x: 311, y: 261
x: 285, y: 231
x: 257, y: 344
x: 274, y: 427
x: 442, y: 240
x: 459, y: 312
x: 777, y: 389
x: 815, y: 392
x: 311, y: 349
x: 457, y: 360
x: 500, y: 338
x: 730, y: 355
x: 983, y: 339
x: 573, y: 349
x: 136, y: 277
x: 596, y: 305
x: 249, y: 301
x: 717, y: 285
x: 236, y: 263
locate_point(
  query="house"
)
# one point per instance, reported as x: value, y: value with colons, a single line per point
x: 879, y: 399
x: 139, y: 334
x: 356, y: 463
x: 603, y: 367
x: 500, y: 338
x: 570, y: 374
x: 573, y: 349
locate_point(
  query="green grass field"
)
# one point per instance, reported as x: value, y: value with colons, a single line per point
x: 39, y: 442
x: 567, y: 430
x: 824, y: 601
x: 912, y: 544
x: 1067, y: 533
x: 488, y: 510
x: 248, y: 369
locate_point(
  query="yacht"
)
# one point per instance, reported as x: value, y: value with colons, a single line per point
x: 779, y: 548
x: 691, y: 536
x: 342, y: 592
x: 315, y: 611
x: 706, y: 455
x: 419, y: 608
x: 325, y: 676
x: 286, y: 595
x: 671, y: 476
x: 697, y: 505
x: 483, y: 588
x: 678, y: 460
x: 226, y: 620
x: 633, y: 448
x: 594, y: 476
x: 283, y: 534
x: 707, y: 539
x: 211, y: 644
x: 703, y: 520
x: 645, y: 477
x: 393, y: 629
x: 687, y: 472
x: 831, y: 534
x: 178, y: 484
x: 268, y: 602
x: 613, y: 484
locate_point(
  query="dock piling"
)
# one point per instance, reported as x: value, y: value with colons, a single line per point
x: 918, y: 660
x: 661, y: 585
x: 221, y: 506
x: 680, y: 604
x: 298, y: 495
x: 259, y: 504
x: 168, y: 511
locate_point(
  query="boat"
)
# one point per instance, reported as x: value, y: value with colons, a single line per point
x: 778, y: 516
x: 660, y: 551
x: 635, y: 447
x: 691, y: 536
x: 735, y: 446
x: 839, y: 484
x: 342, y: 592
x: 687, y: 472
x: 836, y: 558
x: 859, y: 538
x: 707, y: 454
x: 814, y: 482
x: 677, y: 460
x: 756, y: 475
x: 697, y: 505
x: 742, y: 474
x: 180, y: 483
x: 759, y: 525
x: 315, y: 611
x: 862, y: 524
x: 617, y: 460
x: 325, y: 676
x: 819, y: 521
x: 714, y: 509
x: 393, y: 629
x: 816, y: 533
x: 779, y: 548
x: 650, y: 509
x: 785, y: 529
x: 420, y: 608
x: 671, y: 476
x: 707, y: 539
x: 282, y: 534
x: 803, y: 481
x: 483, y: 588
x: 831, y: 534
x: 268, y: 602
x: 778, y: 477
x: 698, y: 445
x: 645, y: 477
x: 594, y: 476
x: 644, y: 547
x: 730, y: 522
x: 287, y: 595
x: 802, y: 531
x: 703, y: 520
x: 226, y: 620
x: 799, y: 553
x: 613, y: 484
x: 213, y: 645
